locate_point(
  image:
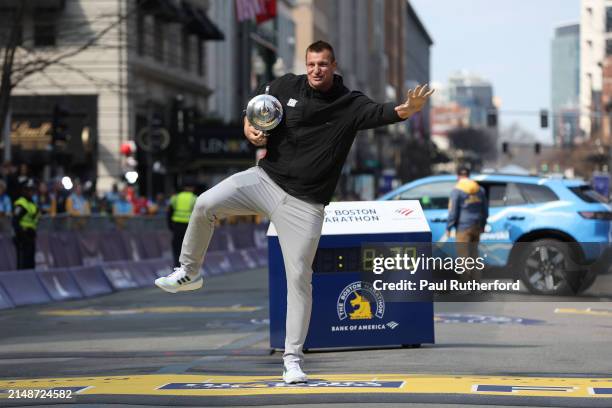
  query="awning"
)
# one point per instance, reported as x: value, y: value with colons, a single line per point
x: 166, y: 10
x: 198, y: 23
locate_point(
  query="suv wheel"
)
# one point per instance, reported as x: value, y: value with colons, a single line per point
x: 548, y: 267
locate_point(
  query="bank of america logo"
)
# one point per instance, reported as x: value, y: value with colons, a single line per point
x: 392, y: 325
x: 404, y: 211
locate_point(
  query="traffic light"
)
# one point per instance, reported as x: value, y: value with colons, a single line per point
x: 59, y: 129
x: 491, y: 118
x: 543, y: 118
x: 505, y: 147
x: 537, y: 148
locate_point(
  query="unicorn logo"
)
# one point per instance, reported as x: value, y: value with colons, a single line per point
x: 360, y: 301
x: 362, y: 308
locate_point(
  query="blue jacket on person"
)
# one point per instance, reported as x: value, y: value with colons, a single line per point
x: 6, y: 207
x: 467, y: 206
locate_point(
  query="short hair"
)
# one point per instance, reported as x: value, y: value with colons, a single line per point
x: 463, y: 171
x: 320, y: 46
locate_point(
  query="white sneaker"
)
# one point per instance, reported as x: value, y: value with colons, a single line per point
x: 179, y: 281
x: 293, y: 374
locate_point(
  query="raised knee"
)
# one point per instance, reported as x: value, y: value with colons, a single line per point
x: 204, y: 208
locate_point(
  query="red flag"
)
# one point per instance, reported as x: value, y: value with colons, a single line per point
x: 268, y: 11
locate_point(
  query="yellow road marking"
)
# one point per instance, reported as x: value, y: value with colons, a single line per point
x: 199, y: 385
x: 169, y: 309
x: 587, y: 311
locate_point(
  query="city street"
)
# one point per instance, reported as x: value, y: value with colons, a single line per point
x: 211, y: 347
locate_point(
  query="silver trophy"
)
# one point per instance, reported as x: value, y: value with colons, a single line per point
x: 264, y: 112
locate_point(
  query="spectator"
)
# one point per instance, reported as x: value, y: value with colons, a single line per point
x: 123, y: 207
x: 6, y: 209
x: 25, y: 223
x: 141, y: 205
x: 44, y: 200
x: 112, y: 196
x: 468, y: 211
x: 95, y: 203
x: 179, y: 212
x: 76, y: 204
x: 24, y: 173
x: 104, y: 206
x: 59, y: 195
x: 160, y: 206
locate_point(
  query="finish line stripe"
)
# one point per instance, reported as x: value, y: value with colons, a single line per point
x: 206, y: 385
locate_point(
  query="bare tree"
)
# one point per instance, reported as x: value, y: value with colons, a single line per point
x: 517, y: 134
x: 6, y: 85
x: 15, y: 71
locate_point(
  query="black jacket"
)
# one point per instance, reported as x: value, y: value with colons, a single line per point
x: 307, y: 150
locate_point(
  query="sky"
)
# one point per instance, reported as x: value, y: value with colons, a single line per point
x: 504, y: 41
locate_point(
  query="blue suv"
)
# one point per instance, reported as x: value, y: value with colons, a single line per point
x: 559, y: 224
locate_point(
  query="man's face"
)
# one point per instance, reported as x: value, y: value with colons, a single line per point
x: 320, y: 70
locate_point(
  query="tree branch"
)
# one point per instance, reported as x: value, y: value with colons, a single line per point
x: 41, y: 64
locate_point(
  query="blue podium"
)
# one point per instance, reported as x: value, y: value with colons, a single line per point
x: 348, y: 309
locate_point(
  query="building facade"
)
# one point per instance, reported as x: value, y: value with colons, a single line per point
x: 565, y: 84
x: 174, y: 76
x: 120, y: 71
x: 595, y: 42
x: 473, y: 92
x: 312, y: 23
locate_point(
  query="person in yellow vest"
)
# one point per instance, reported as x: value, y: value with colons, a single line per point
x: 25, y: 222
x: 179, y: 211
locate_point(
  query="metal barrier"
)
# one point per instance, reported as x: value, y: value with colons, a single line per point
x: 94, y: 222
x: 73, y: 264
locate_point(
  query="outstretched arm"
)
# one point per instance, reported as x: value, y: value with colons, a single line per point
x: 414, y: 102
x: 371, y: 114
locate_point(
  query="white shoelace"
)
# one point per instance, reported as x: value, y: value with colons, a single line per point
x: 177, y: 273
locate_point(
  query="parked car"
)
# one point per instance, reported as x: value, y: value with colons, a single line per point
x: 549, y: 232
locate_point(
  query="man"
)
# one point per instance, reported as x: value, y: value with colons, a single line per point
x: 468, y: 211
x: 76, y: 203
x: 293, y: 183
x: 25, y: 222
x: 179, y: 212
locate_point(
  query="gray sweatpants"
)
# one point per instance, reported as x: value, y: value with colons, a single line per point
x: 298, y: 224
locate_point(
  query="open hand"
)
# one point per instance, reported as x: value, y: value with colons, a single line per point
x: 414, y: 102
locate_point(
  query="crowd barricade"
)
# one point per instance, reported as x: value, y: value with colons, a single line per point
x: 91, y: 280
x: 260, y: 239
x: 8, y: 260
x: 5, y: 300
x: 79, y: 264
x: 119, y: 275
x: 158, y: 267
x: 243, y: 241
x: 65, y: 249
x: 60, y: 284
x: 89, y: 247
x: 44, y: 256
x: 112, y: 246
x: 24, y: 287
x: 164, y: 241
x: 134, y: 245
x: 149, y: 246
x: 142, y: 274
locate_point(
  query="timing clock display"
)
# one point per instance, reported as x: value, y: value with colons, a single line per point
x: 359, y: 259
